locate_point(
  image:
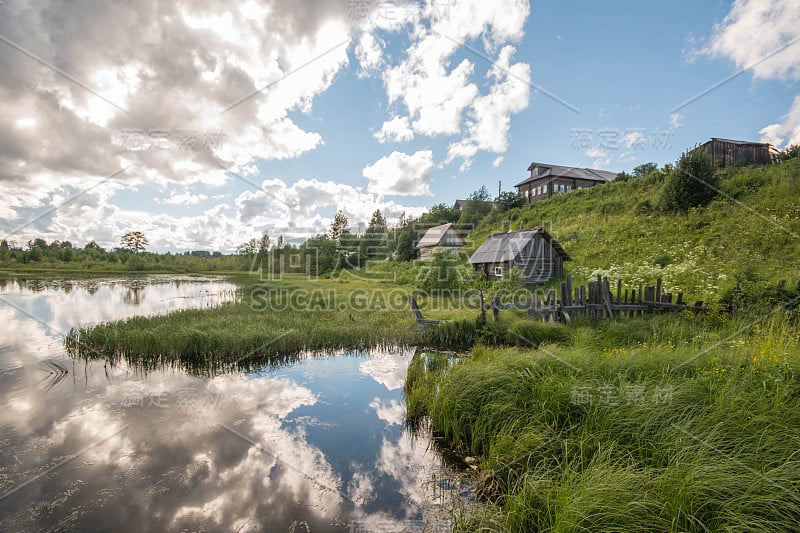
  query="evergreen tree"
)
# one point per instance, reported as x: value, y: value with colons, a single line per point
x: 339, y: 226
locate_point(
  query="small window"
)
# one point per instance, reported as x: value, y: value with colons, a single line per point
x: 498, y: 271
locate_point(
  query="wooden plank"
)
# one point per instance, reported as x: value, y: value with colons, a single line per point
x: 569, y: 291
x: 619, y: 290
x: 564, y: 313
x: 607, y: 301
x: 658, y: 290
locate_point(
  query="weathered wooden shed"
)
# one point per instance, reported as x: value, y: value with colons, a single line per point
x: 534, y: 251
x: 444, y: 236
x: 726, y: 152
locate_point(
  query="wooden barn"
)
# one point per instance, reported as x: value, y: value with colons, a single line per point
x: 533, y: 251
x: 444, y: 236
x: 727, y: 152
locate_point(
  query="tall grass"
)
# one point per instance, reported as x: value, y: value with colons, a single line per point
x: 658, y: 424
x: 258, y: 329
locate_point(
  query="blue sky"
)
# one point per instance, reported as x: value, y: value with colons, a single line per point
x: 368, y: 105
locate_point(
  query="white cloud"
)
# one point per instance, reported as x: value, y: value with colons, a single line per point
x: 437, y: 95
x: 595, y: 152
x: 753, y: 31
x: 675, y: 120
x: 306, y: 207
x: 497, y: 162
x: 369, y: 52
x: 57, y: 136
x: 185, y: 198
x: 490, y: 115
x: 400, y: 173
x: 633, y: 139
x: 787, y: 132
x: 756, y: 35
x: 396, y: 129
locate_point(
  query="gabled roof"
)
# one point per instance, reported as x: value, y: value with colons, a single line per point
x: 558, y: 171
x: 501, y: 247
x: 734, y: 141
x: 434, y: 236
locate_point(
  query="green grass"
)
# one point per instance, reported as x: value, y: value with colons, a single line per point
x: 746, y: 235
x: 665, y: 423
x: 272, y: 321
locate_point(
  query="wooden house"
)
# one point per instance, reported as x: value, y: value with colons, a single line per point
x: 726, y: 152
x: 533, y: 251
x: 444, y: 236
x: 546, y: 180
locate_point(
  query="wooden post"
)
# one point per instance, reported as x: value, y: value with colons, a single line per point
x: 483, y: 308
x: 496, y: 308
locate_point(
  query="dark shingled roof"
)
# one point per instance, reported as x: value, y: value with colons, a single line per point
x: 501, y: 247
x: 557, y: 171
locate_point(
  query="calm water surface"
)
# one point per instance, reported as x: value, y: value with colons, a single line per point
x: 314, y: 445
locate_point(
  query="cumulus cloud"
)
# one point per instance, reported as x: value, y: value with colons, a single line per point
x: 787, y: 132
x: 439, y: 98
x: 306, y: 207
x: 400, y: 174
x: 490, y: 114
x: 757, y: 35
x: 225, y: 104
x: 762, y: 37
x: 395, y: 130
x: 125, y: 83
x: 369, y: 52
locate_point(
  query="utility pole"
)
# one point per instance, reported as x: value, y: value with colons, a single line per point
x: 499, y: 187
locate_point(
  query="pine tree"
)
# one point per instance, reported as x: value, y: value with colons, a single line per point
x: 338, y: 226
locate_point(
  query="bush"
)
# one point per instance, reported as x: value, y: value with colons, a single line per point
x: 693, y: 183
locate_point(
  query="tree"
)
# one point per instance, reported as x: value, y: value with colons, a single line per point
x: 4, y: 250
x: 373, y: 242
x: 476, y: 207
x: 134, y: 241
x: 406, y: 239
x: 263, y: 244
x: 480, y: 195
x: 441, y: 213
x: 509, y: 200
x: 377, y: 224
x: 338, y: 226
x: 692, y: 183
x: 644, y: 169
x: 248, y: 248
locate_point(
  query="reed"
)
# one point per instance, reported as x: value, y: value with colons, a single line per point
x: 662, y: 424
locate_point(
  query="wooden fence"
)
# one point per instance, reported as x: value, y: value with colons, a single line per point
x: 595, y: 300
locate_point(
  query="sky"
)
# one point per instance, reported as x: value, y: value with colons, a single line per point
x: 206, y: 123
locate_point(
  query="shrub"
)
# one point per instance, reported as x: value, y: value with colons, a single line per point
x: 693, y: 183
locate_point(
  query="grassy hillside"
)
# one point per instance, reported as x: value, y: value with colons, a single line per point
x: 750, y: 233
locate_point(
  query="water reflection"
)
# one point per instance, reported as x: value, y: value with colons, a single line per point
x: 317, y: 444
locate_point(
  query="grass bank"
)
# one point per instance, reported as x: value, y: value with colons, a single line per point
x: 271, y: 321
x: 666, y: 423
